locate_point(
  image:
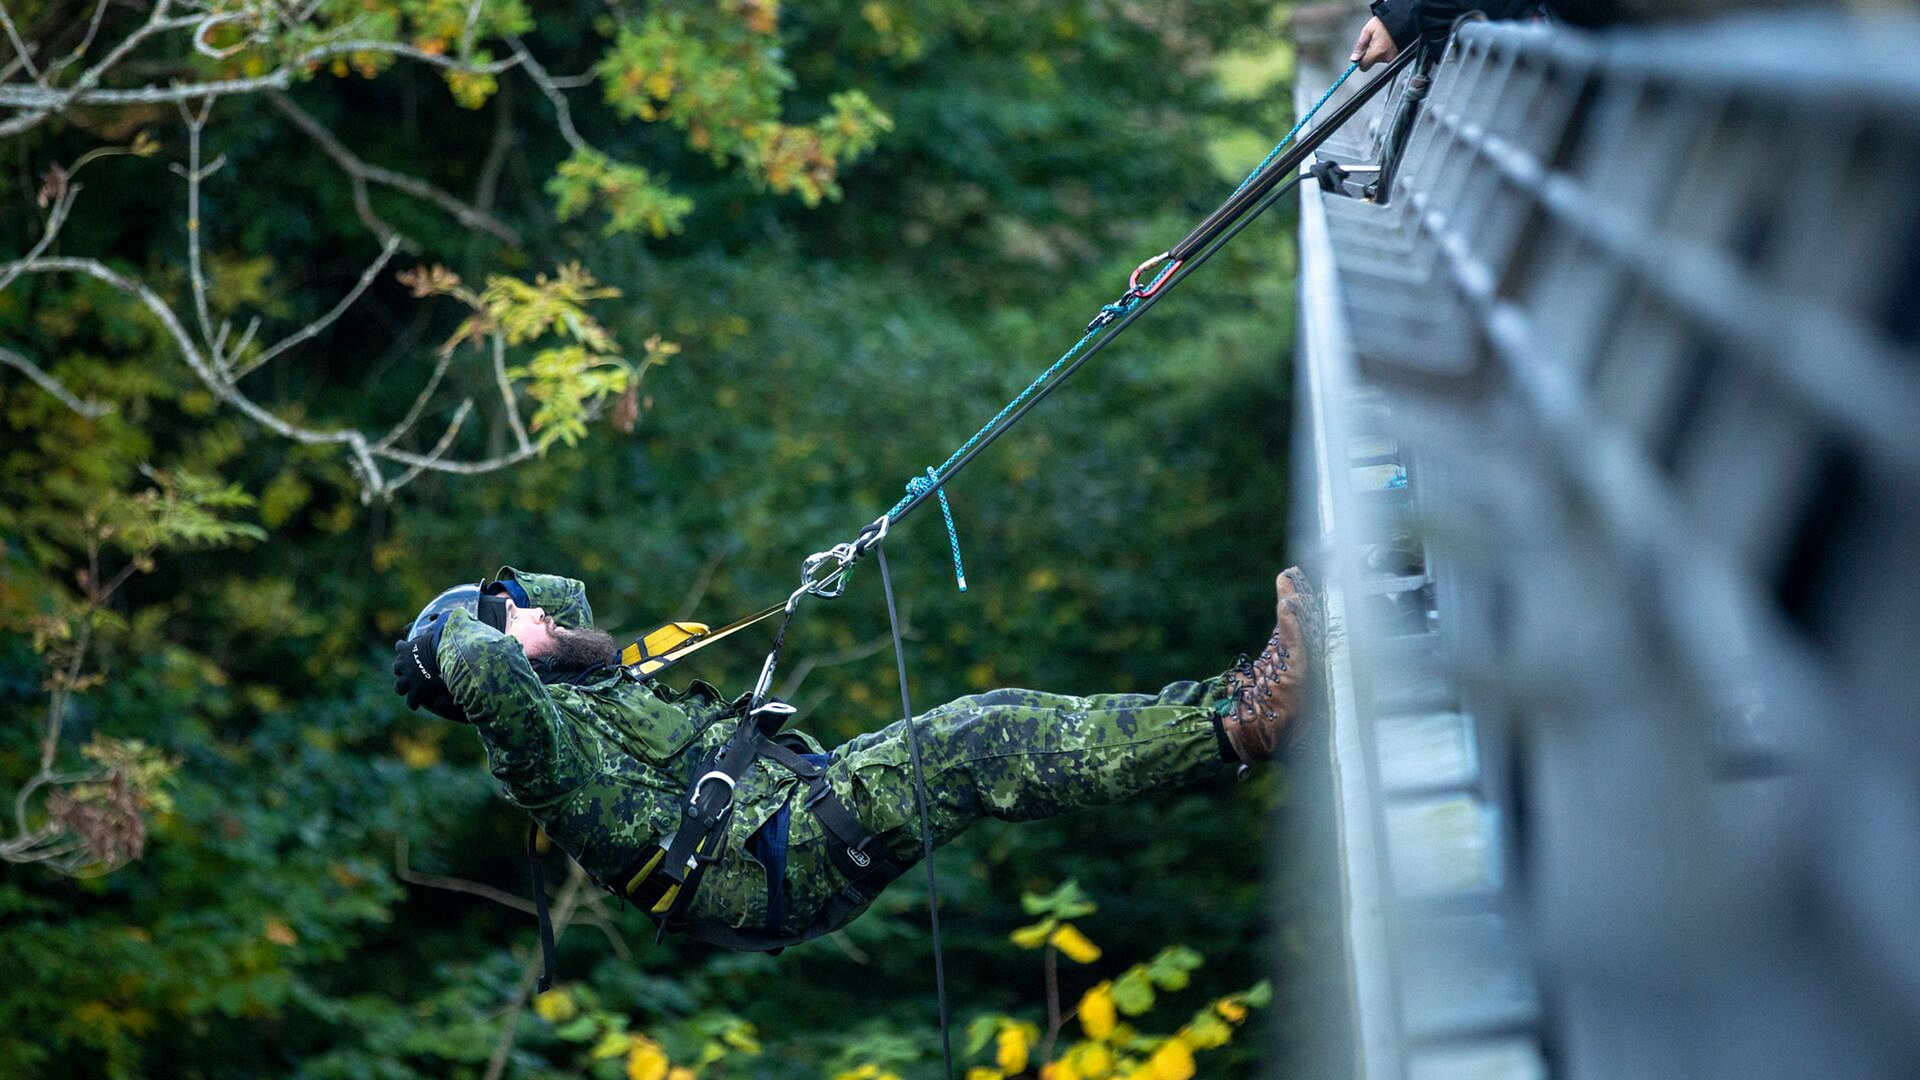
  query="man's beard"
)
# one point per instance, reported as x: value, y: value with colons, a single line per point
x: 576, y: 651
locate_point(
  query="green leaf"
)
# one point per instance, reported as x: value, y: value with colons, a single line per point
x: 1133, y: 991
x: 1171, y: 968
x: 1069, y: 901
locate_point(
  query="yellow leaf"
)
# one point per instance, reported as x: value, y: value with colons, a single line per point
x: 1097, y: 1012
x: 555, y: 1006
x: 646, y: 1061
x: 1230, y: 1010
x: 280, y: 933
x: 1173, y: 1061
x: 1010, y: 1049
x: 679, y: 1072
x: 1074, y: 944
x: 981, y: 1072
x: 1032, y: 937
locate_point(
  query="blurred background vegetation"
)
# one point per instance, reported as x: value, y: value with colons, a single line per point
x: 841, y: 235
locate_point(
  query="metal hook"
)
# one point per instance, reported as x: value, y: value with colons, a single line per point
x: 1134, y: 288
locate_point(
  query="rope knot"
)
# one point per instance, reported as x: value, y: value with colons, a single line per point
x: 918, y: 486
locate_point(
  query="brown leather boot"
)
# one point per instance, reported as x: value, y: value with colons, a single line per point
x: 1269, y: 700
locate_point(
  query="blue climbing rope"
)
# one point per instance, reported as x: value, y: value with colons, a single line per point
x: 935, y: 479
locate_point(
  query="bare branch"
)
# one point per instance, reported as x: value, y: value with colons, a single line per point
x: 406, y: 873
x: 55, y: 218
x: 42, y: 102
x: 698, y: 589
x: 439, y: 449
x: 512, y: 403
x: 419, y: 403
x: 312, y: 329
x: 561, y: 111
x: 563, y: 906
x: 487, y: 186
x: 194, y: 174
x: 20, y: 49
x: 88, y: 408
x: 366, y: 456
x: 93, y: 28
x: 847, y: 655
x: 467, y: 215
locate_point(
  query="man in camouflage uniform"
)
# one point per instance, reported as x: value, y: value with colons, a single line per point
x: 602, y: 760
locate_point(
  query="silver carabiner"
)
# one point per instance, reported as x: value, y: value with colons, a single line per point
x: 715, y: 774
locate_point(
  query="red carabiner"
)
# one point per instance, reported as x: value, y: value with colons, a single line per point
x: 1133, y: 283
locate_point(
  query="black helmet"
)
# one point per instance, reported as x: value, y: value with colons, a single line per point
x: 476, y: 599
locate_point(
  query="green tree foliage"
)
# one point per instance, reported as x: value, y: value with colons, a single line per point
x: 747, y: 269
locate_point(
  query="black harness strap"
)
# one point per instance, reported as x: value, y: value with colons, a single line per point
x: 540, y: 906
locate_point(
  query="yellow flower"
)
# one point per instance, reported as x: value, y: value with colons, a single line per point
x: 679, y: 1072
x: 646, y: 1061
x: 1010, y: 1049
x: 1096, y: 1011
x: 981, y: 1072
x: 1074, y: 944
x: 1173, y: 1061
x: 1230, y: 1010
x: 555, y: 1006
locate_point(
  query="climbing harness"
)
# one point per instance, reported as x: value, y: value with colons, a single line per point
x: 663, y: 879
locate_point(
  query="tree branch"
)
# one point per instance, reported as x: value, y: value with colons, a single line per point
x: 194, y: 174
x: 561, y: 111
x: 20, y: 48
x: 42, y: 102
x: 847, y: 655
x: 419, y: 403
x: 365, y: 456
x: 467, y: 215
x: 563, y: 906
x: 92, y: 410
x: 507, y: 398
x: 312, y: 329
x: 62, y: 204
x: 408, y: 874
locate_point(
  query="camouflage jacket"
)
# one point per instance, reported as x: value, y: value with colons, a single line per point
x: 601, y: 763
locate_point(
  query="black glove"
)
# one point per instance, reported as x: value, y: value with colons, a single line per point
x: 416, y: 676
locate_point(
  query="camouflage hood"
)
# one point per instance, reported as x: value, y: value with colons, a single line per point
x: 564, y: 598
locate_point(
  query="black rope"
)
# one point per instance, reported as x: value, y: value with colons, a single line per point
x: 920, y: 797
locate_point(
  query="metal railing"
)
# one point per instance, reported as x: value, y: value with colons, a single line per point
x: 1611, y: 436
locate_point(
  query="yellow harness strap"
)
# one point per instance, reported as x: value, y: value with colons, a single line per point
x: 668, y: 645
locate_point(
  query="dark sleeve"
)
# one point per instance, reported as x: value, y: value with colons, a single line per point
x: 1401, y: 18
x: 532, y: 748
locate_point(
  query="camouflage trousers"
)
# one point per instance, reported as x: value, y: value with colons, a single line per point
x: 1016, y: 755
